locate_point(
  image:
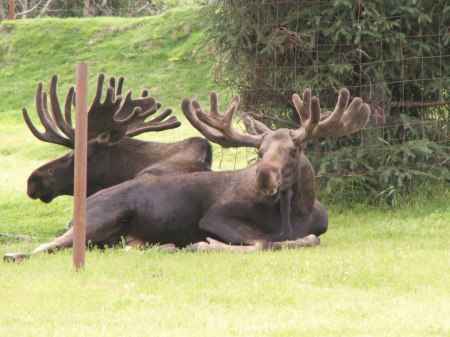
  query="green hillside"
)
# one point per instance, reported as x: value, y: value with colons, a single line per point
x: 165, y: 53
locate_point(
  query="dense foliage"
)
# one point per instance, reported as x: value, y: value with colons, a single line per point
x: 384, y: 51
x: 394, y: 55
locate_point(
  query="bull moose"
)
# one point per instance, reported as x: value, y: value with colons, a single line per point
x: 113, y: 155
x: 234, y: 210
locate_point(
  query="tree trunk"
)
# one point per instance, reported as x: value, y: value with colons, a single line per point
x: 24, y: 8
x: 2, y: 12
x: 87, y: 8
x: 45, y: 8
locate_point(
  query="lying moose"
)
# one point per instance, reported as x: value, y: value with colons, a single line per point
x: 113, y: 155
x: 236, y: 210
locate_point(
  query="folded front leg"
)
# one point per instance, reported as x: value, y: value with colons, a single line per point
x: 308, y: 241
x: 213, y: 245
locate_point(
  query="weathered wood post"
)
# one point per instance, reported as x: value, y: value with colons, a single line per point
x: 12, y: 9
x: 79, y: 209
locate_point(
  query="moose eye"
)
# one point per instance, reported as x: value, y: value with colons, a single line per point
x: 293, y: 152
x: 50, y: 171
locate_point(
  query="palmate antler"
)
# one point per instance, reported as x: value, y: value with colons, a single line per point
x: 215, y: 126
x: 125, y: 118
x: 344, y: 120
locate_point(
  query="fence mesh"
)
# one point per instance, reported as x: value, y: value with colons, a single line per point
x: 393, y: 55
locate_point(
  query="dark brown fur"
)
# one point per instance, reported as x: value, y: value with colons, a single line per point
x: 189, y: 207
x: 111, y: 164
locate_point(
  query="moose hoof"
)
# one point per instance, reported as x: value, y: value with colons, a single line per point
x: 15, y: 257
x: 198, y: 247
x: 311, y: 240
x: 167, y: 248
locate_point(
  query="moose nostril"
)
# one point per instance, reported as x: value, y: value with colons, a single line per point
x: 32, y: 189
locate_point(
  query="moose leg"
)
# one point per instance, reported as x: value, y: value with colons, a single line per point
x: 133, y: 242
x: 229, y: 229
x: 99, y: 228
x: 215, y: 245
x: 308, y: 241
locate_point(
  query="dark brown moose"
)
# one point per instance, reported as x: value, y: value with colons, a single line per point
x: 113, y: 155
x: 236, y: 210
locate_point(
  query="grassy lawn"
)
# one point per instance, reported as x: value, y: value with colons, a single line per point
x: 378, y: 272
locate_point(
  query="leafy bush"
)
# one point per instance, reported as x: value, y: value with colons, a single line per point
x: 389, y: 53
x: 379, y: 171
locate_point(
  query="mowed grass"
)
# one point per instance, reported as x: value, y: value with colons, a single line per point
x: 378, y: 272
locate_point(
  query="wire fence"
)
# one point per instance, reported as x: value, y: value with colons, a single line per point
x: 396, y: 57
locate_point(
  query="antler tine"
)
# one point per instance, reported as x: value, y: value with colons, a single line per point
x: 217, y: 127
x: 56, y: 110
x: 47, y: 115
x: 253, y: 126
x: 344, y: 120
x: 308, y: 110
x: 120, y: 86
x: 156, y: 124
x: 51, y: 134
x: 70, y: 100
x: 98, y: 91
x: 112, y: 84
x: 101, y: 114
x: 210, y: 133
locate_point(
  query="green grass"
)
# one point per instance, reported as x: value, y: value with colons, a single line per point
x: 162, y: 53
x: 378, y: 272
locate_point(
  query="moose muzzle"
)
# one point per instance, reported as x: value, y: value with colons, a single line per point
x: 267, y: 179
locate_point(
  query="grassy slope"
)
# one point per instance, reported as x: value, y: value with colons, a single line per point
x: 378, y: 272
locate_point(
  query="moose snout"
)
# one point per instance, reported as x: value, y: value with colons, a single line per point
x: 32, y: 189
x: 267, y: 181
x: 38, y: 189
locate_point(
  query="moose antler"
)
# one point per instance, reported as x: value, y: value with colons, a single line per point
x: 344, y: 120
x: 125, y: 118
x: 215, y: 126
x: 51, y: 134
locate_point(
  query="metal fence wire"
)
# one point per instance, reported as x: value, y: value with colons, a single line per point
x: 395, y: 56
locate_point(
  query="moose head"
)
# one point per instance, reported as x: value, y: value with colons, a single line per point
x: 279, y: 150
x: 112, y: 155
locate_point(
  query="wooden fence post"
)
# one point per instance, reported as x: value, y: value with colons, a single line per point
x: 12, y: 9
x: 79, y: 209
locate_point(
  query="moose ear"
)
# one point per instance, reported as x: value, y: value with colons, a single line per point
x: 110, y: 138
